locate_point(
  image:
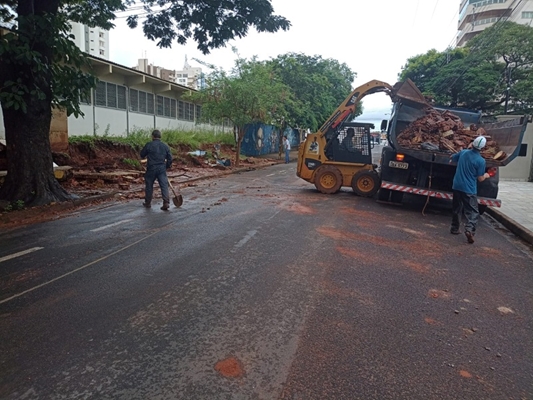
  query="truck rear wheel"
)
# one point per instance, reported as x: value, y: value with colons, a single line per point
x: 328, y: 179
x: 365, y: 183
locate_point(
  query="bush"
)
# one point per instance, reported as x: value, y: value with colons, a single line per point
x: 137, y: 138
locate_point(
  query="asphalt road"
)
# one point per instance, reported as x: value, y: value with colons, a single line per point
x: 260, y: 287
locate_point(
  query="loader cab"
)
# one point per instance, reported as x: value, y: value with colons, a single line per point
x: 351, y: 142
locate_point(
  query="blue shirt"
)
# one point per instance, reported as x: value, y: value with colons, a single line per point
x: 470, y: 165
x: 157, y: 153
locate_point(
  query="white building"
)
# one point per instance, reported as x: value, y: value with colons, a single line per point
x: 190, y: 76
x: 477, y: 15
x: 94, y: 41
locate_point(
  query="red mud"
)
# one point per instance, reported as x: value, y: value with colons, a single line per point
x: 230, y: 368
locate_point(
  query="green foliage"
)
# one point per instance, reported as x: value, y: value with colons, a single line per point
x: 210, y: 23
x: 173, y: 137
x: 496, y: 63
x: 250, y: 93
x: 319, y: 86
x: 16, y: 205
x: 135, y: 164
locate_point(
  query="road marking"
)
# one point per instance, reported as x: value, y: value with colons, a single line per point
x: 245, y: 239
x: 271, y: 174
x: 75, y: 270
x: 20, y: 253
x: 110, y: 225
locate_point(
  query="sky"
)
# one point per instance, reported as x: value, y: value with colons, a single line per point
x: 373, y: 37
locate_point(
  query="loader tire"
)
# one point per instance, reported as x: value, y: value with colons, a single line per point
x: 365, y: 183
x: 328, y: 179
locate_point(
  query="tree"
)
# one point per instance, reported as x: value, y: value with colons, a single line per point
x: 249, y: 93
x: 40, y: 67
x: 510, y: 44
x: 494, y: 69
x: 319, y: 86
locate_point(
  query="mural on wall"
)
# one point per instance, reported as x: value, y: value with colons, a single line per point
x: 260, y: 139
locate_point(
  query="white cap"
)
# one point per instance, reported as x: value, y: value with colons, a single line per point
x: 479, y: 142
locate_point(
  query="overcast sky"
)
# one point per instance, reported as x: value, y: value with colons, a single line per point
x: 373, y: 37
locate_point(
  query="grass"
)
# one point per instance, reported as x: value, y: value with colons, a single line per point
x: 173, y: 137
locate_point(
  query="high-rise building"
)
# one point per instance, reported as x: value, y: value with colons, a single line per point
x: 94, y: 41
x: 190, y: 76
x: 477, y: 15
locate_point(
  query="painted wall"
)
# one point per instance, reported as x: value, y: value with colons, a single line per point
x: 260, y: 139
x: 521, y: 168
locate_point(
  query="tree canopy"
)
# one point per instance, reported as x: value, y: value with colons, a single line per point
x: 40, y: 67
x: 492, y: 73
x: 319, y: 86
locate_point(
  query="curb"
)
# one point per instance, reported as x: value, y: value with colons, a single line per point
x: 519, y: 230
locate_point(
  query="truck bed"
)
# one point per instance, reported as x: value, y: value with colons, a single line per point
x: 508, y: 134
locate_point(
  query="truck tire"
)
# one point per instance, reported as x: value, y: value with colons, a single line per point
x: 328, y: 179
x: 365, y: 183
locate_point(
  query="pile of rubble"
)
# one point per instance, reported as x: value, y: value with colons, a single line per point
x: 445, y: 132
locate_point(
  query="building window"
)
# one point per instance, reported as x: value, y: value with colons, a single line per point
x: 100, y: 94
x: 198, y: 112
x: 143, y: 107
x: 159, y: 101
x: 134, y: 100
x: 527, y: 14
x: 111, y: 95
x: 101, y: 34
x: 173, y: 108
x: 149, y: 103
x: 102, y: 52
x: 121, y: 97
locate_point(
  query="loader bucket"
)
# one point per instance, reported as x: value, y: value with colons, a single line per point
x: 408, y: 91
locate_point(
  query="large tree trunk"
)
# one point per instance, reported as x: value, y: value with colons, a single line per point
x: 30, y: 175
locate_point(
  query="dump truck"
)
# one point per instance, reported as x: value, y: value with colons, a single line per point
x: 426, y: 170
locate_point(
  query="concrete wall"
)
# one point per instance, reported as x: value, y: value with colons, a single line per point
x: 520, y: 169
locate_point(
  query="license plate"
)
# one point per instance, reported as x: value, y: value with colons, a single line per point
x: 396, y: 164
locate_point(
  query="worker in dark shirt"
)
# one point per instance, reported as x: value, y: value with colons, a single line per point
x: 159, y: 160
x: 348, y: 141
x: 470, y: 171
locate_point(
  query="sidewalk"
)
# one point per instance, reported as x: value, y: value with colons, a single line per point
x: 516, y: 212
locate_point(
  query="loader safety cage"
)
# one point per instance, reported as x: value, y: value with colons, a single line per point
x: 435, y: 193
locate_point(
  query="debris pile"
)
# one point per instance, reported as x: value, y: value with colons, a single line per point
x: 445, y: 132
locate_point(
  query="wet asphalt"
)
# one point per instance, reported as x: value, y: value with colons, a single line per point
x: 259, y: 287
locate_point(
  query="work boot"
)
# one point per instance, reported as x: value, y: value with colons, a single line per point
x: 165, y: 206
x: 454, y: 231
x: 147, y: 204
x: 469, y: 236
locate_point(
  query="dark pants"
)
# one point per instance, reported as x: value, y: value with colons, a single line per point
x: 287, y: 154
x: 158, y: 172
x: 467, y: 204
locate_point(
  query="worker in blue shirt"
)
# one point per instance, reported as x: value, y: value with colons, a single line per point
x: 159, y: 160
x: 470, y: 171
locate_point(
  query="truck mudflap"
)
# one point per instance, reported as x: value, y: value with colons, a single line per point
x: 435, y: 193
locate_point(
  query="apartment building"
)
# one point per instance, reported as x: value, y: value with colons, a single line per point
x: 188, y: 76
x: 94, y: 41
x: 477, y: 15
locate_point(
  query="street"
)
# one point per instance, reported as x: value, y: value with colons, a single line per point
x: 260, y: 287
